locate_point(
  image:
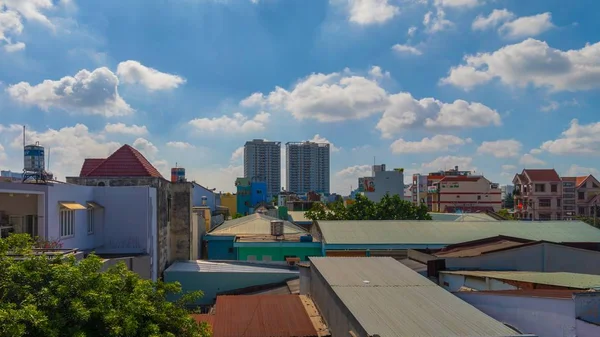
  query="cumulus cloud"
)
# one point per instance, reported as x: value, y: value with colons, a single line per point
x: 237, y: 154
x: 449, y: 162
x: 232, y: 124
x: 344, y: 96
x: 527, y: 26
x: 378, y: 73
x: 2, y: 153
x: 318, y: 139
x: 13, y: 13
x: 529, y: 160
x: 145, y: 147
x: 493, y: 20
x: 531, y: 62
x: 436, y: 22
x: 369, y: 12
x: 412, y: 30
x: 507, y: 148
x: 122, y: 128
x: 406, y: 49
x: 88, y: 92
x: 133, y: 72
x: 355, y: 171
x: 405, y: 111
x: 180, y: 145
x: 438, y: 143
x: 458, y: 3
x: 508, y: 167
x: 575, y: 170
x: 577, y: 139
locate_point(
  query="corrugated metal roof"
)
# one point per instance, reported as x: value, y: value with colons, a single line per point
x: 477, y: 250
x: 254, y: 224
x: 568, y: 280
x: 262, y: 316
x: 208, y: 318
x: 544, y: 293
x: 298, y: 216
x: 201, y: 266
x: 397, y: 302
x: 450, y: 232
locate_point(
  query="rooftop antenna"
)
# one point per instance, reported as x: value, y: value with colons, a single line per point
x: 23, y: 135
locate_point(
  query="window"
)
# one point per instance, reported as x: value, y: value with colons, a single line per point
x: 478, y: 197
x: 251, y: 257
x: 540, y: 187
x: 557, y: 202
x: 569, y: 202
x: 594, y: 185
x: 267, y: 258
x: 569, y: 196
x: 553, y: 188
x: 169, y: 209
x: 545, y: 203
x: 569, y: 190
x: 568, y: 184
x: 67, y: 223
x: 581, y: 210
x: 580, y: 195
x: 90, y: 220
x: 545, y: 216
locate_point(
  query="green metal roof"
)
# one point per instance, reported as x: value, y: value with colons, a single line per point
x: 569, y: 280
x: 450, y: 232
x: 461, y: 217
x: 254, y: 224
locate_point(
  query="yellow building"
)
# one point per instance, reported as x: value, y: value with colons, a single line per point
x: 230, y: 201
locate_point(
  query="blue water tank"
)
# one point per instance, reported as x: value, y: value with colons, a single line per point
x: 34, y: 158
x: 306, y: 238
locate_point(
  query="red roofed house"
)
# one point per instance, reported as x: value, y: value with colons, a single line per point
x: 581, y: 195
x: 467, y: 193
x: 128, y: 167
x: 538, y: 195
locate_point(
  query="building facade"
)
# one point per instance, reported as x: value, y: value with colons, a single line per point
x: 262, y: 162
x: 424, y: 186
x: 539, y: 195
x: 308, y: 168
x: 382, y: 182
x: 466, y: 194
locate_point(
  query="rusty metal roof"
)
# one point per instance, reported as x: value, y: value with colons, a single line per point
x: 477, y: 250
x: 262, y: 316
x: 208, y: 318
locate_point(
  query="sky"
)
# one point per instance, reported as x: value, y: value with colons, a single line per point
x: 492, y: 86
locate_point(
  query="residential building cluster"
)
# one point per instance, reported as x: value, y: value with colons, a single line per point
x: 266, y: 270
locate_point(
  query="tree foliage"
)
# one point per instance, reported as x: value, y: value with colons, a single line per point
x: 59, y: 296
x: 388, y: 208
x: 237, y: 216
x: 590, y: 221
x: 509, y: 201
x: 505, y: 214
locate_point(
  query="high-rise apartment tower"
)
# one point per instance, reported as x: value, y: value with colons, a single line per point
x: 262, y: 162
x: 307, y: 165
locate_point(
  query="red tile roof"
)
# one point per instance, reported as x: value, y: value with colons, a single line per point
x: 460, y: 178
x: 125, y: 162
x: 580, y: 180
x: 262, y: 315
x: 89, y: 165
x: 542, y: 174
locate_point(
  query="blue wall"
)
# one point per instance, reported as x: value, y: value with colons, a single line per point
x: 243, y: 199
x: 258, y: 193
x: 220, y: 247
x: 198, y: 192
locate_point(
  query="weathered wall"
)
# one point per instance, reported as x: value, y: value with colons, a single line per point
x: 181, y: 222
x: 266, y: 252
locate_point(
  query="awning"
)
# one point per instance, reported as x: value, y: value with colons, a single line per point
x: 73, y: 206
x: 92, y: 204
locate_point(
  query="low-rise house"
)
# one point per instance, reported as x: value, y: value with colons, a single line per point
x: 466, y: 194
x: 538, y: 195
x: 364, y: 297
x: 548, y: 313
x: 251, y: 238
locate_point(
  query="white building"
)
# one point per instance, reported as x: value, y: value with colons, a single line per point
x: 262, y: 162
x: 307, y: 166
x: 106, y: 220
x: 383, y: 182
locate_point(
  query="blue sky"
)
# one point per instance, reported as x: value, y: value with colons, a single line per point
x: 488, y: 85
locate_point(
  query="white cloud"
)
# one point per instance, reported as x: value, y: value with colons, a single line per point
x: 14, y: 47
x: 133, y: 72
x: 576, y: 170
x: 531, y: 62
x: 237, y: 154
x: 180, y: 145
x: 125, y: 129
x: 530, y: 160
x: 146, y: 148
x: 406, y: 49
x: 496, y: 17
x: 449, y: 162
x: 405, y: 111
x: 459, y: 3
x: 527, y: 26
x: 535, y: 151
x: 346, y: 179
x: 377, y: 72
x: 507, y: 148
x: 326, y: 98
x: 509, y: 168
x: 412, y: 30
x: 318, y: 139
x: 89, y: 92
x: 12, y: 15
x: 438, y: 143
x: 554, y: 105
x: 355, y: 171
x: 436, y: 23
x: 368, y: 12
x: 2, y: 154
x: 577, y: 139
x: 232, y: 124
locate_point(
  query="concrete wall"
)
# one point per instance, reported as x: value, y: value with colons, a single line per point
x: 467, y: 194
x: 138, y: 264
x: 180, y: 233
x: 230, y: 201
x: 220, y: 247
x: 390, y: 182
x: 198, y: 192
x: 452, y: 282
x: 544, y: 317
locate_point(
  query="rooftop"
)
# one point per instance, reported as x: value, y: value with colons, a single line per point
x: 262, y: 315
x: 254, y: 224
x: 542, y: 293
x: 461, y: 217
x: 566, y: 280
x: 298, y: 216
x: 202, y: 266
x: 541, y: 174
x: 125, y: 162
x: 390, y: 300
x: 451, y: 232
x: 479, y: 247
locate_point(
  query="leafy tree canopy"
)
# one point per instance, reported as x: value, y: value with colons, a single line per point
x: 509, y: 201
x: 505, y: 214
x: 54, y: 296
x: 388, y: 208
x: 237, y: 216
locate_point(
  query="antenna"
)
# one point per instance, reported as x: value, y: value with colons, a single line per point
x: 23, y: 135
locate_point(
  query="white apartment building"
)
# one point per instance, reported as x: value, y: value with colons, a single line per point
x: 307, y: 166
x: 382, y: 182
x: 262, y: 162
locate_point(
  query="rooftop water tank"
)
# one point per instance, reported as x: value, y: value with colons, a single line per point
x: 276, y: 227
x: 34, y: 158
x: 178, y: 175
x: 306, y: 238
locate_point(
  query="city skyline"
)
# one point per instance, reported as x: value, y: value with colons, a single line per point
x: 490, y: 86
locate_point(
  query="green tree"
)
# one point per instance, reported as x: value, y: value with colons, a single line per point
x: 388, y: 208
x: 237, y: 216
x: 590, y: 221
x: 58, y: 296
x: 505, y: 214
x: 509, y: 201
